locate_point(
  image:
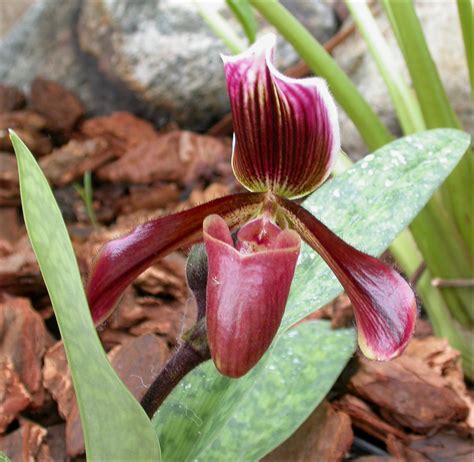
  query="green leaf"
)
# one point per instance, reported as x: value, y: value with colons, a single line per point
x: 4, y: 458
x: 114, y: 424
x: 244, y: 13
x: 368, y: 206
x: 403, y: 99
x: 301, y: 370
x: 436, y: 108
x: 306, y: 360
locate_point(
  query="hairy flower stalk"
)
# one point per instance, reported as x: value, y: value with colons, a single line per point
x: 285, y: 145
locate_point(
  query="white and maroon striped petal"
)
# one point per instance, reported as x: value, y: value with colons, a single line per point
x: 384, y: 304
x: 247, y: 289
x: 286, y: 130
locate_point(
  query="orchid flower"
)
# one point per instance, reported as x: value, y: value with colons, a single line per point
x: 285, y: 144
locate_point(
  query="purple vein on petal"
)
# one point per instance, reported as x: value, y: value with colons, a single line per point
x: 286, y: 130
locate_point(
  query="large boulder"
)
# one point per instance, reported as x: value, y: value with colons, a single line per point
x: 155, y: 58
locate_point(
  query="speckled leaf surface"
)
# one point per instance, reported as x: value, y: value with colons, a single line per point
x: 368, y: 206
x: 115, y: 426
x: 371, y: 203
x: 303, y: 366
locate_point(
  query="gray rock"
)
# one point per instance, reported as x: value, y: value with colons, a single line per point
x: 156, y: 58
x: 167, y: 55
x: 442, y: 31
x: 44, y: 43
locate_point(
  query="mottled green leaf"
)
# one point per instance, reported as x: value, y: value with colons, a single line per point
x: 302, y: 368
x: 115, y: 426
x: 368, y: 206
x: 246, y: 16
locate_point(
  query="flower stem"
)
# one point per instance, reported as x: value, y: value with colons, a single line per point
x: 190, y: 354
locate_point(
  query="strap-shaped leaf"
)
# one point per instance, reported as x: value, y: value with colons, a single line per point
x: 115, y: 426
x: 246, y: 16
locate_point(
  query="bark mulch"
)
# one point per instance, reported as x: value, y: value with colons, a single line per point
x: 414, y: 408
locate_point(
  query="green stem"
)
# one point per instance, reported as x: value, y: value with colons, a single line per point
x: 433, y: 99
x: 89, y: 198
x: 86, y: 193
x: 466, y: 18
x: 436, y: 234
x: 220, y: 27
x: 446, y: 256
x: 372, y: 130
x: 403, y: 99
x: 436, y: 109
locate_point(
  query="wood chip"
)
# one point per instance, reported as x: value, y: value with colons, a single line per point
x: 26, y: 444
x: 14, y: 397
x: 28, y: 125
x: 403, y: 452
x: 11, y: 98
x: 19, y: 271
x: 71, y: 161
x: 23, y: 343
x: 60, y: 107
x: 166, y: 277
x: 367, y: 420
x: 9, y: 183
x: 446, y: 362
x: 155, y: 196
x: 326, y: 433
x: 122, y: 130
x: 444, y: 447
x: 178, y: 156
x: 199, y: 196
x: 11, y: 229
x: 392, y: 385
x: 55, y: 440
x: 57, y: 379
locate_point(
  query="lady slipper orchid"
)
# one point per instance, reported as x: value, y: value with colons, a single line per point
x: 285, y: 144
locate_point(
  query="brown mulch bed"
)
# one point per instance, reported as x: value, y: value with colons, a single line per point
x: 414, y: 408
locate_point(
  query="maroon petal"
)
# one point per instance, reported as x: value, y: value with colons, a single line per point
x: 286, y: 130
x: 246, y: 294
x: 120, y: 261
x: 384, y: 304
